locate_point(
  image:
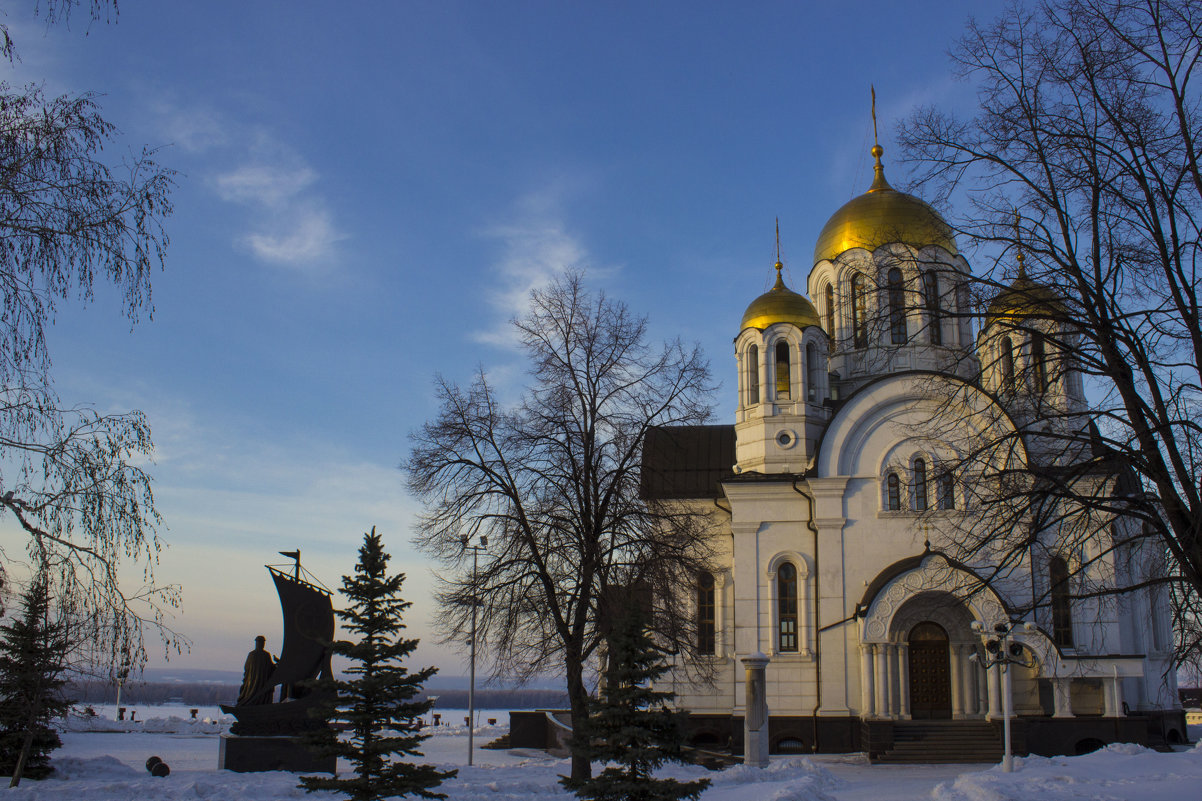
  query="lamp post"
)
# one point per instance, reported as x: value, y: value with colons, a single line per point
x: 471, y: 687
x: 1000, y: 652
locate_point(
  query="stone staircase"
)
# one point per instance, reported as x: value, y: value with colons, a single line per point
x: 944, y: 741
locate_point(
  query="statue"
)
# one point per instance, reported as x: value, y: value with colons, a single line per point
x: 256, y: 675
x: 268, y: 733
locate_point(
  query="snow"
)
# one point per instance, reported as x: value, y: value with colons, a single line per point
x: 110, y: 766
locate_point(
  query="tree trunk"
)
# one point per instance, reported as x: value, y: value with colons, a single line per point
x: 582, y: 766
x: 26, y: 747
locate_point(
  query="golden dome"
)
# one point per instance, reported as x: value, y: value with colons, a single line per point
x: 880, y: 216
x: 780, y: 305
x: 1025, y: 299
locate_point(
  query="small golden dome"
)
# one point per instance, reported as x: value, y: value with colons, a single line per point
x: 1025, y: 299
x: 780, y: 305
x: 880, y: 216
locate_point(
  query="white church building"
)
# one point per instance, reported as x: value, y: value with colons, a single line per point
x: 827, y: 497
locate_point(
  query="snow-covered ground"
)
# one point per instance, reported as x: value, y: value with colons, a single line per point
x: 109, y: 766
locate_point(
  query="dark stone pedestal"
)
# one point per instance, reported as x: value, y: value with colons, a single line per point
x: 255, y: 754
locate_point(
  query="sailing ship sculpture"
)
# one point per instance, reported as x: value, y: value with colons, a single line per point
x: 308, y: 634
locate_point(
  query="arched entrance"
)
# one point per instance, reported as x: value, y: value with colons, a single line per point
x: 930, y: 675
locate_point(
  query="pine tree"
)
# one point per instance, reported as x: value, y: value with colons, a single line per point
x: 32, y: 662
x: 631, y: 724
x: 375, y: 704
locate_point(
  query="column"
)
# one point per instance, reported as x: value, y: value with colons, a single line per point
x: 890, y: 671
x: 1113, y: 693
x: 1062, y: 697
x: 957, y: 682
x: 878, y: 679
x: 970, y: 683
x: 867, y: 709
x: 755, y: 715
x: 994, y: 680
x: 903, y: 683
x: 982, y: 680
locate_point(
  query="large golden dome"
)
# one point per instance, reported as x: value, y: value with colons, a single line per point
x: 780, y: 305
x: 880, y: 216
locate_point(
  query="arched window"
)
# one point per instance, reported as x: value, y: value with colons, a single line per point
x: 830, y: 310
x: 1007, y: 358
x: 753, y: 374
x: 897, y: 308
x: 1062, y: 611
x: 946, y: 487
x: 783, y: 379
x: 706, y: 614
x: 859, y: 319
x: 813, y: 373
x: 786, y: 615
x: 920, y: 485
x: 930, y: 289
x: 893, y: 493
x: 1039, y: 366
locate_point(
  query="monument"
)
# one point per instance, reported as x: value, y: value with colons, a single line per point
x: 268, y: 734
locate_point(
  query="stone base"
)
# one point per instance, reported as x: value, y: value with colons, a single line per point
x: 256, y: 754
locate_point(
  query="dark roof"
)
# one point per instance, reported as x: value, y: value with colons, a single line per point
x: 686, y: 461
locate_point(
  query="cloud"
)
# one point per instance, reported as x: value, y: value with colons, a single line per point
x: 535, y: 246
x: 291, y: 225
x: 194, y: 129
x: 269, y: 185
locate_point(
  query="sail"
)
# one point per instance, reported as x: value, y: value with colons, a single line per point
x: 308, y: 629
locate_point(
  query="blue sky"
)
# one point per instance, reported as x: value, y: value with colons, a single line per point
x: 368, y: 191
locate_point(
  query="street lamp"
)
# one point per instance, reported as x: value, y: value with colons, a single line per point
x: 1001, y: 652
x: 471, y: 687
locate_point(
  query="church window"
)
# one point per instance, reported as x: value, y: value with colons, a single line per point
x: 946, y: 487
x: 897, y: 308
x: 1039, y: 366
x: 930, y: 287
x: 1062, y: 612
x: 893, y: 492
x: 813, y: 373
x: 753, y: 374
x: 830, y: 310
x: 920, y: 485
x: 783, y: 379
x: 1007, y: 358
x: 786, y: 598
x: 859, y: 320
x: 706, y: 614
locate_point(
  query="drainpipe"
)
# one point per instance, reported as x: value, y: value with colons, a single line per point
x: 817, y: 619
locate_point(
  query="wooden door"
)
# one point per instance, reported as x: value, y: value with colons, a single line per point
x: 930, y: 672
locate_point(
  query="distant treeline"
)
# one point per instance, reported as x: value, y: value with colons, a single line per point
x: 200, y: 693
x: 211, y: 694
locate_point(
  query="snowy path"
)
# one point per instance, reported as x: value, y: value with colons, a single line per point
x: 97, y: 766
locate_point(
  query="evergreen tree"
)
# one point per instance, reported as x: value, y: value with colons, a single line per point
x: 32, y: 662
x: 631, y: 724
x: 375, y: 704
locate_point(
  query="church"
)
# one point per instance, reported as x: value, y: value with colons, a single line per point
x: 831, y: 499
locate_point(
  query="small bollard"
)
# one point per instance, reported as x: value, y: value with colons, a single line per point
x: 133, y: 716
x: 120, y: 713
x: 492, y: 721
x: 194, y: 713
x: 466, y: 720
x: 437, y: 718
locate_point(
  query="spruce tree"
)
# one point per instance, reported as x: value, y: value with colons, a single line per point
x: 33, y: 651
x: 375, y: 704
x: 632, y: 725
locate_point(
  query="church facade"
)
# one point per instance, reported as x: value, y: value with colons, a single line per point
x: 831, y: 501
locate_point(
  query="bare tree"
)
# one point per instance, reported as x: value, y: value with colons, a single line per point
x: 1083, y: 157
x: 70, y: 476
x: 553, y: 482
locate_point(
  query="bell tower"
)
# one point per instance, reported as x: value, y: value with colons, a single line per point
x: 782, y: 353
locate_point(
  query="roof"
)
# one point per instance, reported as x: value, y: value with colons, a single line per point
x: 686, y: 461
